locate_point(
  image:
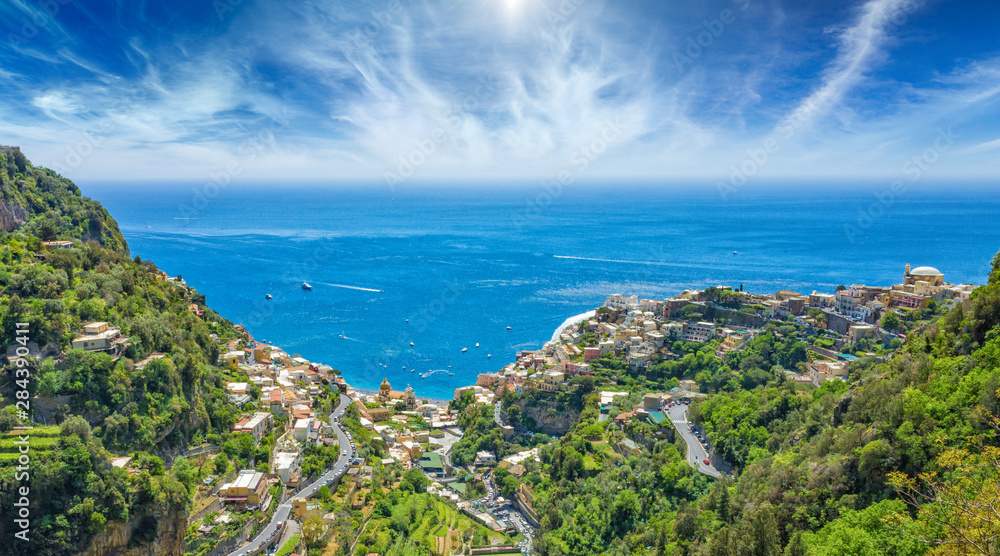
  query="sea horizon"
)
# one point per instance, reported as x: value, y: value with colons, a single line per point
x: 447, y: 269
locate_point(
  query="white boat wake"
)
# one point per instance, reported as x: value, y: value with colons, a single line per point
x: 359, y: 288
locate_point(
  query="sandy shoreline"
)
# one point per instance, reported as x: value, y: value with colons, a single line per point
x: 573, y: 320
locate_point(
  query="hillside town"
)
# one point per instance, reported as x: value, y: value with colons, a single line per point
x: 301, y: 455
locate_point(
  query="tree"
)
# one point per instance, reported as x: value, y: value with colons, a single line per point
x: 686, y: 522
x: 313, y: 530
x: 891, y: 322
x: 323, y: 493
x: 626, y: 511
x: 958, y: 506
x: 221, y: 463
x: 757, y: 533
x: 77, y: 425
x: 415, y: 481
x: 185, y: 473
x: 862, y: 532
x: 720, y: 543
x: 796, y: 546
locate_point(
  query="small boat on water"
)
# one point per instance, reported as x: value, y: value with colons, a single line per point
x: 734, y: 252
x: 268, y: 296
x: 488, y: 356
x: 411, y: 344
x: 306, y: 286
x: 508, y: 328
x: 465, y: 350
x: 477, y: 344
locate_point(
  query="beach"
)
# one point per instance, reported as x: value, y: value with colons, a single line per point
x: 571, y: 321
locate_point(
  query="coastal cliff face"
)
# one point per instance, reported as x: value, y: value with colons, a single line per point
x: 12, y: 216
x: 156, y: 534
x: 548, y: 417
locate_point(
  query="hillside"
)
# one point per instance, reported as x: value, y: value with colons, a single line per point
x: 104, y: 403
x: 902, y: 458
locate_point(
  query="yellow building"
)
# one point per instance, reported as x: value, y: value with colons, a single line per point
x: 928, y: 274
x: 100, y: 336
x: 247, y: 490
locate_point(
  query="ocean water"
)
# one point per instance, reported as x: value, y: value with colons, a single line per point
x: 449, y: 267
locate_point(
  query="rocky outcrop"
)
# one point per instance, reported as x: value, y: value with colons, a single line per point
x: 11, y: 216
x: 550, y: 418
x: 155, y: 534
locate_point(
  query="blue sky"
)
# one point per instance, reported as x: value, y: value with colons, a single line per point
x: 502, y: 89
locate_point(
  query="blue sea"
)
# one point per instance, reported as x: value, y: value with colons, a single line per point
x: 449, y: 267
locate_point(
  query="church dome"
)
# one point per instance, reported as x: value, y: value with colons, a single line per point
x: 925, y: 271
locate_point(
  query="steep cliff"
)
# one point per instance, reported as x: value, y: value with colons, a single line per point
x: 160, y: 533
x: 106, y: 404
x: 12, y: 216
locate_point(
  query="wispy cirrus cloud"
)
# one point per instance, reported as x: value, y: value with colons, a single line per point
x: 515, y: 87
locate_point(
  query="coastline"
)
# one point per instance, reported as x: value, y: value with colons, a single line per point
x: 571, y: 321
x: 425, y: 399
x: 555, y: 336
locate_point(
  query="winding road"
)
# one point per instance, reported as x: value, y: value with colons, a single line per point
x: 339, y: 469
x: 696, y: 452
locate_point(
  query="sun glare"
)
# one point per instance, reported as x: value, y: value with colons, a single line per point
x: 513, y: 6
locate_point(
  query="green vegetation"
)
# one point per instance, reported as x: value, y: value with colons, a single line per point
x: 903, y: 458
x: 109, y: 406
x: 289, y: 546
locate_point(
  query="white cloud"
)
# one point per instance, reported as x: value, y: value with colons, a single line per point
x: 859, y: 44
x: 984, y: 147
x: 57, y: 101
x: 513, y: 93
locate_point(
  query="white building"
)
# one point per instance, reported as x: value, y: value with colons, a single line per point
x: 100, y: 336
x: 698, y: 331
x: 303, y: 429
x: 257, y: 425
x: 485, y: 457
x: 619, y: 301
x: 286, y: 465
